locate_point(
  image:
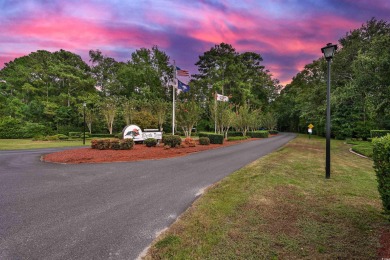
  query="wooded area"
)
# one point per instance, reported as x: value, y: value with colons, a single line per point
x: 360, y: 87
x: 43, y: 93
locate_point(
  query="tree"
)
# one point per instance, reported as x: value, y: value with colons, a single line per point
x: 160, y: 109
x: 188, y: 114
x: 243, y: 118
x: 108, y: 108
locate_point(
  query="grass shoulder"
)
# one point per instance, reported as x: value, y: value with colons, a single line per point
x: 282, y: 207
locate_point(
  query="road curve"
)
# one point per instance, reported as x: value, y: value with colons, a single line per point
x: 105, y: 211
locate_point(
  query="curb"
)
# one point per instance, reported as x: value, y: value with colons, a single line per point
x: 358, y: 154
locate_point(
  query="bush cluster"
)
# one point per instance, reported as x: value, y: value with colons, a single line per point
x: 214, y: 138
x: 237, y: 138
x: 11, y: 128
x: 234, y: 133
x: 379, y: 133
x: 171, y: 140
x: 190, y: 142
x: 273, y: 132
x: 102, y: 135
x: 150, y: 142
x: 77, y: 135
x: 114, y: 144
x: 258, y: 134
x: 381, y: 157
x: 204, y: 140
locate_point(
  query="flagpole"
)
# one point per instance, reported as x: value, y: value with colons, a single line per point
x: 215, y: 112
x: 173, y: 96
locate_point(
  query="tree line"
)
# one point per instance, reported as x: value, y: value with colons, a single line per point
x: 45, y: 91
x: 360, y: 87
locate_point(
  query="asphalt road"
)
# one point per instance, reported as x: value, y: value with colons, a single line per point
x: 104, y: 211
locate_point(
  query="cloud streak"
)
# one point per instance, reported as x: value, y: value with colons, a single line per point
x: 288, y: 34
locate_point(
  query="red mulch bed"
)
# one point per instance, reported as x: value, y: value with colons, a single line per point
x: 138, y: 153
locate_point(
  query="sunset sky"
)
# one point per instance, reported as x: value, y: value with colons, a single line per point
x: 287, y: 33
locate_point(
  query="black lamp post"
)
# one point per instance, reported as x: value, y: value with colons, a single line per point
x: 328, y: 52
x: 84, y: 105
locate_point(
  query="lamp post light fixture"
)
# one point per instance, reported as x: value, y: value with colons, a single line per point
x: 328, y: 52
x: 84, y: 105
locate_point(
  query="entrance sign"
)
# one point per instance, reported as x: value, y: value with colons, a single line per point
x: 134, y: 132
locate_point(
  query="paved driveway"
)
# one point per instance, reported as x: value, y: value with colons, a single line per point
x: 104, y: 211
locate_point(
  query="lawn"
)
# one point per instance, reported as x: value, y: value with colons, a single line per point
x: 362, y: 147
x: 282, y: 207
x: 12, y: 144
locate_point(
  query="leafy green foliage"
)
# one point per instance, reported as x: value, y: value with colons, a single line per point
x: 381, y: 157
x: 258, y: 134
x: 360, y: 87
x: 150, y: 142
x: 126, y: 144
x: 237, y: 138
x: 171, y: 140
x: 204, y: 140
x: 214, y: 138
x: 379, y: 133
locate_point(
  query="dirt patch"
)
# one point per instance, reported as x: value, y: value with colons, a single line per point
x: 384, y: 250
x: 139, y: 153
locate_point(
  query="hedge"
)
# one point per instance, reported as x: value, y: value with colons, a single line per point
x: 237, y: 138
x: 381, y: 157
x: 214, y: 138
x: 258, y: 134
x: 171, y: 140
x: 234, y: 133
x: 114, y: 144
x: 102, y: 135
x: 379, y: 133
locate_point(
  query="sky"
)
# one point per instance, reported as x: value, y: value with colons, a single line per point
x: 288, y: 34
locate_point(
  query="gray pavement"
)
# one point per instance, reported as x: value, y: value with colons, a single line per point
x: 105, y: 211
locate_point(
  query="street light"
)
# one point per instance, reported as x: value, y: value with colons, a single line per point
x: 84, y: 105
x: 328, y: 52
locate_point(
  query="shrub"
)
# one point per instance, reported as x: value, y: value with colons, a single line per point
x: 237, y: 138
x: 94, y: 143
x: 150, y: 142
x: 258, y: 134
x: 103, y: 144
x: 126, y: 144
x: 190, y: 142
x: 214, y: 138
x: 10, y: 128
x: 102, y: 135
x: 381, y: 157
x: 204, y: 140
x: 379, y: 133
x: 234, y: 133
x: 273, y: 132
x: 172, y: 140
x: 114, y: 144
x: 75, y: 134
x: 52, y: 138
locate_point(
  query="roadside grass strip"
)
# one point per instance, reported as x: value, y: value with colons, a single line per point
x: 282, y: 207
x: 16, y: 144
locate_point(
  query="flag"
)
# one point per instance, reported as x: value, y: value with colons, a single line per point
x: 183, y: 87
x: 181, y: 72
x: 220, y: 97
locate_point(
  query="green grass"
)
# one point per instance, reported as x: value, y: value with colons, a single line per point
x: 14, y: 144
x: 282, y: 207
x: 362, y: 147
